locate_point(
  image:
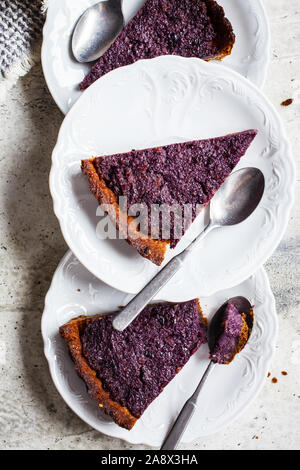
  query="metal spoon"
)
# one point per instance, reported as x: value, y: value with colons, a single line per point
x: 173, y: 438
x: 97, y: 29
x: 233, y: 203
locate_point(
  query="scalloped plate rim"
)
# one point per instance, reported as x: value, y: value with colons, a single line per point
x: 269, y: 304
x: 289, y: 171
x: 259, y: 76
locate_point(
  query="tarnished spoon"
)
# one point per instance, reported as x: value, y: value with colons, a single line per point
x: 97, y: 29
x: 243, y: 306
x: 236, y: 199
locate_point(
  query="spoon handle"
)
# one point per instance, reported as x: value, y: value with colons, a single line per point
x: 139, y: 302
x: 184, y: 417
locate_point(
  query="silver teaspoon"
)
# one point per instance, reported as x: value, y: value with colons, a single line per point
x: 243, y: 306
x: 237, y: 198
x: 97, y: 29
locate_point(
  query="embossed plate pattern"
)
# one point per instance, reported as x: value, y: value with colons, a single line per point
x: 156, y: 102
x: 250, y: 54
x: 74, y: 291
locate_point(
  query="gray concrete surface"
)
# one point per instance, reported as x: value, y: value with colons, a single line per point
x: 32, y: 414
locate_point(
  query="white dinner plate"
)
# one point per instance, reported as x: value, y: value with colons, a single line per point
x: 63, y: 74
x: 156, y: 102
x: 228, y: 391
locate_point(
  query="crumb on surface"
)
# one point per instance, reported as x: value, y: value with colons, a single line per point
x: 274, y: 380
x: 287, y: 102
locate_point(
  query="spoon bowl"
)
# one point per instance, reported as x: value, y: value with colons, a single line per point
x: 242, y: 305
x: 238, y: 197
x: 97, y: 29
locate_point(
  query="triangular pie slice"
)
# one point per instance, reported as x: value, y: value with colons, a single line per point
x: 184, y: 175
x: 188, y: 28
x: 125, y: 371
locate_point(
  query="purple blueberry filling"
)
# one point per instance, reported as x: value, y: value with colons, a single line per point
x: 228, y: 339
x: 135, y: 365
x: 177, y: 27
x: 184, y: 174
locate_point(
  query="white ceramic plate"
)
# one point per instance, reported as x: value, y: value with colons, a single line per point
x: 161, y: 101
x: 63, y: 74
x: 74, y: 291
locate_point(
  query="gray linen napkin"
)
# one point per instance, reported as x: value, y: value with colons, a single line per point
x: 21, y: 23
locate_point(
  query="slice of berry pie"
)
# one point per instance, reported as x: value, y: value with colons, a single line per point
x: 188, y: 28
x: 125, y: 371
x: 183, y: 177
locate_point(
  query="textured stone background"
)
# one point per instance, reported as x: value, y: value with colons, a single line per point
x: 32, y: 414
